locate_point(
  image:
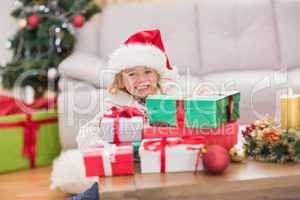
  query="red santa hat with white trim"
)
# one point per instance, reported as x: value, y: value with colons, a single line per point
x: 144, y: 48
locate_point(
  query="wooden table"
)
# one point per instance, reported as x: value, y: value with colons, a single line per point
x: 252, y: 180
x: 33, y: 184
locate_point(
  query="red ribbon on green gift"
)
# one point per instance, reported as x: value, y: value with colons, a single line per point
x: 180, y: 111
x: 117, y: 113
x: 30, y: 130
x: 180, y: 117
x: 160, y: 145
x: 231, y: 108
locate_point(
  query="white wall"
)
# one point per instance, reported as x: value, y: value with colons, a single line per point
x: 8, y: 26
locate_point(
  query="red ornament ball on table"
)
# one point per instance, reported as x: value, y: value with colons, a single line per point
x: 33, y: 21
x: 216, y: 159
x: 78, y: 21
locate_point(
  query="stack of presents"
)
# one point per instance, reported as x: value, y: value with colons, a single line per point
x: 28, y: 133
x: 170, y: 139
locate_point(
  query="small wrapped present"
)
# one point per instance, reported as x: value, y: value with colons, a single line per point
x: 226, y: 135
x: 171, y: 154
x: 122, y: 124
x: 108, y: 160
x: 27, y: 139
x: 204, y: 111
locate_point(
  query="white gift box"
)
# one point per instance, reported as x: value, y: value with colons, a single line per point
x: 130, y: 129
x: 178, y: 158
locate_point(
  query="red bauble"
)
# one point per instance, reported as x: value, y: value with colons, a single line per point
x: 33, y: 21
x: 78, y: 21
x: 216, y: 159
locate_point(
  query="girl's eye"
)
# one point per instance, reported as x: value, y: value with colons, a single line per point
x: 131, y: 74
x: 148, y: 71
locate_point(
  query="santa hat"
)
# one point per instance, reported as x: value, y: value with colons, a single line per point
x: 144, y: 48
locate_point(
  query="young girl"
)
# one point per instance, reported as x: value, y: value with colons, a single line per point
x: 141, y: 68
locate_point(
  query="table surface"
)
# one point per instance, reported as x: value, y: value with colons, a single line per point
x: 249, y: 180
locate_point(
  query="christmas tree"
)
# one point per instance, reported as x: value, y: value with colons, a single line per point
x: 46, y: 36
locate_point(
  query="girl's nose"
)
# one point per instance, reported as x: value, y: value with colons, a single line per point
x: 141, y: 77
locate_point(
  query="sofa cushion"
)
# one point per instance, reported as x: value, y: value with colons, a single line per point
x: 175, y: 19
x: 235, y: 35
x: 88, y: 68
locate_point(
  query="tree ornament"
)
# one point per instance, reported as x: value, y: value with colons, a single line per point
x: 78, y: 21
x: 22, y: 23
x: 216, y: 159
x: 46, y: 10
x: 33, y: 21
x: 52, y: 73
x: 18, y: 4
x: 57, y: 42
x: 42, y: 7
x: 65, y: 25
x: 237, y: 153
x: 8, y: 44
x: 59, y: 50
x: 57, y: 30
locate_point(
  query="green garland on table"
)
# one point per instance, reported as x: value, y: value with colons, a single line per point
x: 266, y: 141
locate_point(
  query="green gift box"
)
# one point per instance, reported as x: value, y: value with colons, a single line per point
x: 205, y: 111
x: 28, y: 141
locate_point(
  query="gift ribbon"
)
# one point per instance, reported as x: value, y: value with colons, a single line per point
x: 180, y: 118
x: 231, y: 108
x: 160, y: 145
x: 108, y: 157
x: 30, y: 128
x: 109, y: 152
x: 117, y: 113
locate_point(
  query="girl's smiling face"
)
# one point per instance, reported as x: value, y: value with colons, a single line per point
x: 140, y: 81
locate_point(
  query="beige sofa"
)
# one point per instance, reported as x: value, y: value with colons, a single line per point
x: 246, y: 45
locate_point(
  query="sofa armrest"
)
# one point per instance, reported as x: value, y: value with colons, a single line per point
x: 86, y: 67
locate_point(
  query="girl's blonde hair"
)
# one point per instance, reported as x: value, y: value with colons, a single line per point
x: 118, y: 83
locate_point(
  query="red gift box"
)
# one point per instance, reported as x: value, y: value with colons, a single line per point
x: 109, y: 160
x: 226, y: 135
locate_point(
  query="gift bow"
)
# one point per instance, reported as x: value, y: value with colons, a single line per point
x: 194, y: 143
x: 126, y: 112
